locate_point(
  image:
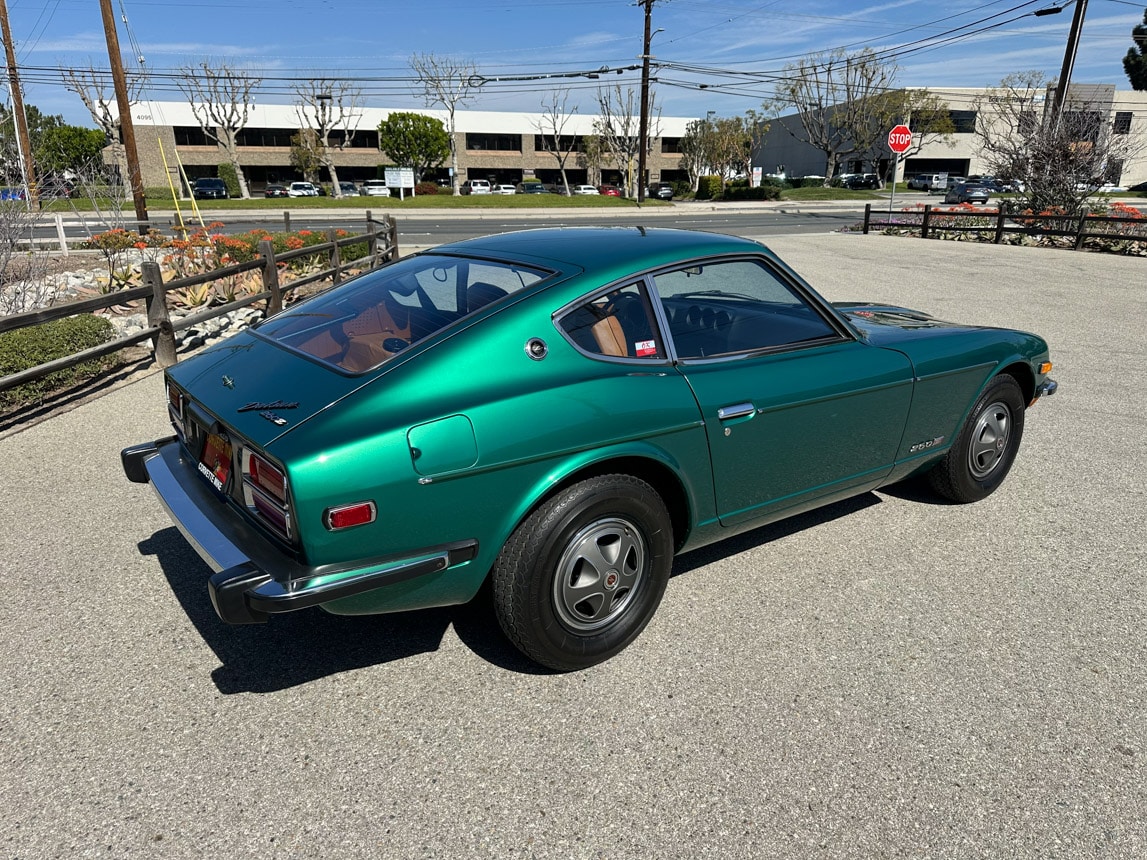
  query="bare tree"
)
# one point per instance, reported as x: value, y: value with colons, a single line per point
x: 331, y: 109
x: 450, y: 84
x: 1060, y: 160
x: 551, y: 127
x: 220, y: 98
x: 618, y: 126
x: 927, y: 115
x: 830, y: 94
x: 94, y: 89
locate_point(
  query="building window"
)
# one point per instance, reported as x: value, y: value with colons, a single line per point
x: 1122, y: 122
x: 191, y: 135
x: 671, y: 145
x: 963, y: 120
x: 566, y: 143
x: 265, y: 137
x: 494, y: 142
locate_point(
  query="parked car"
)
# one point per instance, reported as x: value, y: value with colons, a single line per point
x: 12, y: 194
x: 584, y: 190
x: 374, y: 188
x: 302, y: 189
x: 609, y: 190
x: 531, y: 187
x: 275, y: 191
x: 502, y: 189
x: 366, y: 451
x: 920, y: 182
x: 952, y: 182
x: 476, y: 186
x: 660, y: 191
x: 348, y: 189
x: 209, y: 188
x: 858, y: 181
x: 967, y: 192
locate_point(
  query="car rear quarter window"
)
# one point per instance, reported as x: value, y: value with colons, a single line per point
x: 616, y: 324
x: 738, y: 306
x: 365, y: 322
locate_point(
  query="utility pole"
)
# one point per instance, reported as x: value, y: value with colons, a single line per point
x: 127, y: 128
x: 19, y: 118
x: 1068, y: 60
x: 643, y: 126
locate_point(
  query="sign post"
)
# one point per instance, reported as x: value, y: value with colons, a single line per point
x: 899, y: 139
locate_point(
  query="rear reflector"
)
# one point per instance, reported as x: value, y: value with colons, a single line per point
x: 345, y: 516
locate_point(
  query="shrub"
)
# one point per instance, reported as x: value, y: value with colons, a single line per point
x: 709, y: 187
x: 426, y: 188
x: 764, y: 192
x: 29, y: 347
x: 230, y: 178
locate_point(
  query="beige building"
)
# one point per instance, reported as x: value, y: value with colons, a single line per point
x: 501, y: 147
x: 1125, y: 110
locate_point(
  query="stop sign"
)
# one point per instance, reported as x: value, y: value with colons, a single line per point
x: 900, y: 138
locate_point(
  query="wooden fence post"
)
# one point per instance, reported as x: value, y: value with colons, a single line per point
x: 867, y: 216
x: 287, y: 220
x: 271, y: 277
x: 927, y: 218
x: 163, y: 343
x: 1080, y: 231
x: 999, y: 237
x: 392, y: 237
x: 336, y: 257
x: 371, y: 239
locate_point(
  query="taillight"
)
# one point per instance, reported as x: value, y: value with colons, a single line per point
x: 346, y: 516
x: 265, y: 493
x: 177, y: 408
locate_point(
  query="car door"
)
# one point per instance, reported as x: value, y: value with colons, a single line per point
x: 796, y: 409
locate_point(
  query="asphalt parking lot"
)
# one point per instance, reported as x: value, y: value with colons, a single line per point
x: 889, y: 677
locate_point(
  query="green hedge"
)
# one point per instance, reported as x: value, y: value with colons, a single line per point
x: 36, y: 345
x: 765, y: 192
x: 709, y: 187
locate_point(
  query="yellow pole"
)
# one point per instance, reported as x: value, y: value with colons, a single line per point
x: 174, y: 197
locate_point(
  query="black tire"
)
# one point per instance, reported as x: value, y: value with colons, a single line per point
x: 580, y: 578
x: 986, y: 446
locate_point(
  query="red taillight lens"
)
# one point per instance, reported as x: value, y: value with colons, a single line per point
x: 345, y: 516
x: 267, y: 478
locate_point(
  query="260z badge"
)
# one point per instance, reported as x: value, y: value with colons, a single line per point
x: 924, y: 446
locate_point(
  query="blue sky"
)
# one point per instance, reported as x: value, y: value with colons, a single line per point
x: 961, y: 43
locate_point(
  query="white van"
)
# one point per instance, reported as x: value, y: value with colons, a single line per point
x: 476, y: 186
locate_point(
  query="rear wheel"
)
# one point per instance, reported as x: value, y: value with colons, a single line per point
x: 580, y: 578
x: 986, y: 446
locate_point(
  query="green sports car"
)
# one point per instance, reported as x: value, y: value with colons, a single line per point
x: 561, y: 411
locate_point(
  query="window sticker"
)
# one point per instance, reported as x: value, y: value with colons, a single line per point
x: 642, y: 348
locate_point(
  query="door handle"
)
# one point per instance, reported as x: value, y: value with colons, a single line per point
x: 737, y: 410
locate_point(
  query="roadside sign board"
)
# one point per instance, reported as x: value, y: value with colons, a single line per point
x: 400, y: 177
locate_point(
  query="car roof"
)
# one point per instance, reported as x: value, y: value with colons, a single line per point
x: 606, y: 251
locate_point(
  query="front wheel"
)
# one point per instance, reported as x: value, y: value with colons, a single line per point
x: 583, y: 574
x: 986, y: 446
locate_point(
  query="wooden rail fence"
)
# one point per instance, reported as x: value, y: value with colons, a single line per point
x: 382, y: 246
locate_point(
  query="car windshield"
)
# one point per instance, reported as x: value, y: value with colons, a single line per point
x: 365, y: 322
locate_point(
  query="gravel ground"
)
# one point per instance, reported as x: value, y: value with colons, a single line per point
x: 888, y: 677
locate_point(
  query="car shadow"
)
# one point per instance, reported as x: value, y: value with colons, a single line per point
x: 758, y: 537
x: 298, y: 647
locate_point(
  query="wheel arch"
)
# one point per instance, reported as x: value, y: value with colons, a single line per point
x: 1022, y: 373
x: 655, y: 472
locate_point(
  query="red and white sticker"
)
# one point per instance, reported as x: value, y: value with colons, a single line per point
x: 645, y: 347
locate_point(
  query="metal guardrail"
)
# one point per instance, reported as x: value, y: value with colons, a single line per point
x: 382, y: 246
x: 929, y: 220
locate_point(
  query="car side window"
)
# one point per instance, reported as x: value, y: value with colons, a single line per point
x: 736, y: 306
x: 616, y: 324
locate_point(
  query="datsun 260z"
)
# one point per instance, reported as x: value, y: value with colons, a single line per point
x: 561, y: 411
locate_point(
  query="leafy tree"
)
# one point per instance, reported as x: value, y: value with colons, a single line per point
x: 414, y: 140
x: 68, y: 147
x: 927, y: 115
x: 305, y: 154
x: 1135, y: 61
x: 591, y: 156
x: 831, y: 94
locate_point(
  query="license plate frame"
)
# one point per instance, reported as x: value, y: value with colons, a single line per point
x: 215, y: 460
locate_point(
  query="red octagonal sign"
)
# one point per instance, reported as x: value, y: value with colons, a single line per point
x: 900, y: 138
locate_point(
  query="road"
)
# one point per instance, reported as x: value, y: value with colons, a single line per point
x: 423, y: 227
x: 889, y: 677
